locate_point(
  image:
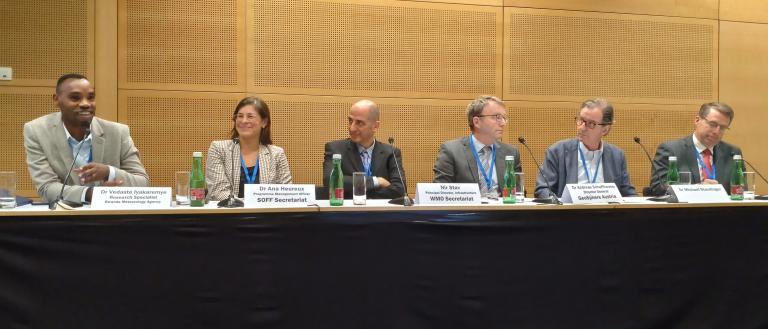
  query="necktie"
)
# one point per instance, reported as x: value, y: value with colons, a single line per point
x: 485, y: 159
x: 706, y: 155
x: 366, y: 162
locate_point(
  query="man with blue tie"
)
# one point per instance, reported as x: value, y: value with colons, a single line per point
x: 361, y: 152
x: 586, y: 158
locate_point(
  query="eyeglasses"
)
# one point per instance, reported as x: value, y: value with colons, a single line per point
x: 714, y: 125
x: 588, y: 123
x: 498, y: 117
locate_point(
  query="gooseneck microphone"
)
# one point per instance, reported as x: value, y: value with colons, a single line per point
x: 60, y: 203
x: 231, y: 201
x: 553, y: 199
x: 646, y: 190
x: 404, y: 200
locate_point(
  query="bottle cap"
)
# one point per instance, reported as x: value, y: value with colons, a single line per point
x: 509, y: 158
x: 737, y: 156
x: 337, y: 156
x: 197, y: 154
x: 672, y: 158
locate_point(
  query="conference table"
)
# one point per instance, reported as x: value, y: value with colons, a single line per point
x: 637, y: 264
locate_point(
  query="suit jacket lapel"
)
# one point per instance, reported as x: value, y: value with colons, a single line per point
x: 265, y: 159
x: 353, y: 157
x: 97, y: 136
x: 471, y: 162
x: 59, y: 141
x: 572, y: 162
x: 689, y: 159
x: 607, y: 164
x: 500, y: 162
x: 378, y: 160
x: 722, y: 162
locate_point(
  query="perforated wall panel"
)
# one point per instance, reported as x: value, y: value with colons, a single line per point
x: 168, y: 126
x: 570, y: 55
x: 20, y: 105
x: 374, y: 48
x: 42, y: 39
x: 182, y: 44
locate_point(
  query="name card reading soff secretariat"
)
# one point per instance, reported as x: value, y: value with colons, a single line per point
x: 591, y: 193
x: 108, y: 198
x: 278, y: 195
x: 447, y: 193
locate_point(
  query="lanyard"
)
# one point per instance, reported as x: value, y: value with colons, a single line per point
x: 713, y: 173
x: 250, y: 179
x: 367, y: 168
x: 586, y: 169
x: 487, y: 176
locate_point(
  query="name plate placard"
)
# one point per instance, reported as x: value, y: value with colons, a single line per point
x: 447, y: 193
x: 591, y: 193
x: 130, y: 198
x: 278, y: 195
x: 700, y: 193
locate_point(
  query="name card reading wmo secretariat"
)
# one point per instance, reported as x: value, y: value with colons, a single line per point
x: 700, y: 193
x: 447, y: 193
x: 591, y: 193
x: 278, y: 195
x: 131, y: 198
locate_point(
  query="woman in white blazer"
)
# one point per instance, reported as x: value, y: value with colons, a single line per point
x: 256, y: 160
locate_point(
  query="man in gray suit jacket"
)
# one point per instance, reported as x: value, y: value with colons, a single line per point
x: 695, y: 153
x: 586, y: 158
x: 383, y: 179
x: 105, y: 157
x: 463, y: 160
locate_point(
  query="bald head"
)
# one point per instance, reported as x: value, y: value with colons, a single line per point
x: 363, y: 122
x: 369, y: 106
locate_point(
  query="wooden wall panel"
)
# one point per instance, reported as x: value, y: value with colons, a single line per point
x: 744, y: 10
x: 744, y: 74
x: 41, y: 40
x: 497, y: 3
x: 20, y: 105
x: 374, y: 48
x: 679, y: 8
x: 181, y: 45
x: 167, y: 126
x: 567, y: 56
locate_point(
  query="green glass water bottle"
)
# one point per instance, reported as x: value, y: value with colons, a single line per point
x: 509, y: 188
x: 336, y: 183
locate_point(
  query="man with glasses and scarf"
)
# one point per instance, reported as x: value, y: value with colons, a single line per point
x: 479, y: 157
x: 703, y: 153
x: 586, y: 158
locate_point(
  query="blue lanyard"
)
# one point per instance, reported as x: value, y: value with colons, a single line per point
x: 713, y: 173
x: 487, y: 176
x: 367, y: 168
x: 586, y: 169
x: 250, y: 178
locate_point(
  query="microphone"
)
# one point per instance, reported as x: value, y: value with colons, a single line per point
x: 553, y: 199
x: 60, y: 203
x: 231, y: 201
x: 404, y: 200
x: 646, y: 190
x: 757, y: 197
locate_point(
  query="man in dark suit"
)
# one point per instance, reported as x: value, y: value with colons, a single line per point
x: 361, y: 152
x: 586, y: 158
x: 703, y: 153
x: 468, y: 159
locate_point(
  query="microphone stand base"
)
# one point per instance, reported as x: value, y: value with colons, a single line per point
x: 230, y: 203
x: 403, y: 201
x: 547, y: 201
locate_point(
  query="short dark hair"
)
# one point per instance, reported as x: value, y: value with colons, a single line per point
x: 263, y: 110
x: 66, y: 77
x: 723, y: 108
x: 601, y: 104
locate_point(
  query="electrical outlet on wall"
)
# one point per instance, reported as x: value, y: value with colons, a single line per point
x: 6, y: 73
